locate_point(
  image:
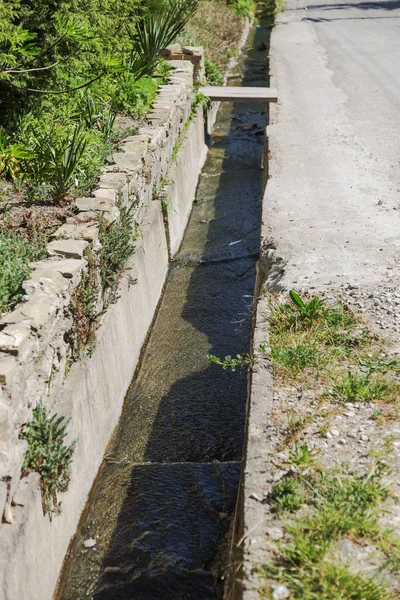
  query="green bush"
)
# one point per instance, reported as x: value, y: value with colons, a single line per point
x: 244, y: 8
x: 214, y: 75
x: 16, y: 252
x: 48, y: 455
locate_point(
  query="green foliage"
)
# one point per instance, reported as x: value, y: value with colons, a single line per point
x: 48, y: 455
x: 64, y: 162
x: 84, y: 307
x: 16, y: 252
x: 214, y: 75
x: 338, y: 504
x: 297, y: 356
x: 11, y: 156
x: 118, y: 246
x: 229, y: 362
x: 113, y: 45
x: 243, y: 8
x: 301, y: 456
x: 352, y: 387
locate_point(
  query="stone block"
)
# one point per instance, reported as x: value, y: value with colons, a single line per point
x: 68, y: 268
x: 8, y: 368
x: 27, y: 488
x: 113, y: 180
x: 106, y: 193
x: 127, y: 161
x: 40, y: 309
x: 69, y: 248
x: 171, y: 49
x: 3, y: 496
x: 92, y: 204
x: 78, y: 231
x: 15, y: 338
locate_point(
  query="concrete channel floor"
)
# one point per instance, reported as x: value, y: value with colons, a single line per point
x: 334, y: 193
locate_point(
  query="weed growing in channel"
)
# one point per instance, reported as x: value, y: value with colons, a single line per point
x: 333, y: 505
x: 48, y: 455
x: 229, y: 362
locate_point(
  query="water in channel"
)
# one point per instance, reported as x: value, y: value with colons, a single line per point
x: 161, y: 509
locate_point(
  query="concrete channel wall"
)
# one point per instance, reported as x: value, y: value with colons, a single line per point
x: 33, y: 352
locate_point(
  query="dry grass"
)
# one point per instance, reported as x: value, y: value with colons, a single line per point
x: 217, y: 28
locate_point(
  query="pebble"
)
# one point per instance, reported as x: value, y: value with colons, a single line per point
x: 279, y: 591
x: 364, y: 438
x: 335, y: 432
x: 274, y: 532
x: 90, y: 543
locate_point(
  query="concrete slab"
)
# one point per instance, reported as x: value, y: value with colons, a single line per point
x: 332, y: 202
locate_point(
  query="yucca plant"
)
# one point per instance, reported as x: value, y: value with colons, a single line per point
x: 64, y: 162
x: 155, y: 32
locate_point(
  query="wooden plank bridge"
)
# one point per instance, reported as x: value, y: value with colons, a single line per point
x: 239, y: 94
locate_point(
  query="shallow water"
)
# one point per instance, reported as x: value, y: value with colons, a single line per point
x: 162, y: 507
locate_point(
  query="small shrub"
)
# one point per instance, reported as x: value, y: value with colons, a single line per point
x: 48, y: 455
x: 85, y: 314
x: 118, y: 245
x: 16, y: 252
x: 296, y: 357
x: 352, y: 387
x: 214, y: 75
x: 243, y: 8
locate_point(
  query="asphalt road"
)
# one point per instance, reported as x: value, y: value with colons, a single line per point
x: 333, y: 200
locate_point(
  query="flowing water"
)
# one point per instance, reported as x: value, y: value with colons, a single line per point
x: 161, y: 509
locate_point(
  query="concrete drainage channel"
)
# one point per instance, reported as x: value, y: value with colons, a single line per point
x: 159, y: 518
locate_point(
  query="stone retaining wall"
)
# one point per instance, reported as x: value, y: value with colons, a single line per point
x: 33, y: 347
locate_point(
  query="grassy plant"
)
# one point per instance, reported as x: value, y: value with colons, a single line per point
x: 301, y: 456
x: 214, y: 75
x: 297, y: 356
x: 229, y: 362
x: 378, y: 364
x: 16, y: 254
x: 338, y: 504
x: 243, y: 8
x: 313, y: 335
x: 65, y: 161
x: 48, y: 455
x: 353, y: 387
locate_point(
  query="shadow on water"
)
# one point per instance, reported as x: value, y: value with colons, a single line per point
x: 162, y: 508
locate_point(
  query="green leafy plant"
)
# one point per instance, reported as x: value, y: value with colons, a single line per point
x: 352, y: 387
x: 338, y: 504
x: 12, y: 156
x: 214, y: 75
x: 244, y: 8
x: 16, y: 253
x: 65, y: 161
x: 118, y: 246
x: 48, y: 455
x: 229, y: 362
x: 85, y: 313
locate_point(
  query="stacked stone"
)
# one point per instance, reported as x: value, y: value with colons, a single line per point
x: 33, y: 347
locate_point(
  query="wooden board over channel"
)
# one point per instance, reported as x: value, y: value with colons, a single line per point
x: 239, y: 94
